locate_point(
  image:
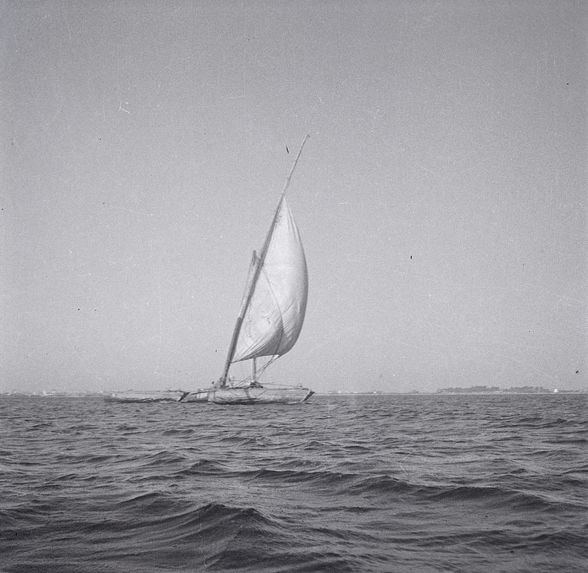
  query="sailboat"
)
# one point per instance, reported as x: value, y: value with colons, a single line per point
x: 271, y: 314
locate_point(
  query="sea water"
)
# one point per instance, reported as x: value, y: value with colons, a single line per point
x: 341, y: 483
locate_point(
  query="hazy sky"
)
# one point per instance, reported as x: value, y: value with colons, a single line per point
x: 441, y: 197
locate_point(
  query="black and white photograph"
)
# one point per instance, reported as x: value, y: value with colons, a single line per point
x: 293, y: 285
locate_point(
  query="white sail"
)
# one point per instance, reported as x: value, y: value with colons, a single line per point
x: 274, y: 316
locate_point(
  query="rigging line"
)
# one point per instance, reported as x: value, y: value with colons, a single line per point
x: 267, y: 364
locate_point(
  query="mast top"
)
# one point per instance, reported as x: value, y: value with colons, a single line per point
x: 289, y: 178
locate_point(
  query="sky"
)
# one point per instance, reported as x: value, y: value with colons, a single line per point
x: 441, y: 197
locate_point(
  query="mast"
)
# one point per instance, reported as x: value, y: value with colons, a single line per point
x: 258, y: 264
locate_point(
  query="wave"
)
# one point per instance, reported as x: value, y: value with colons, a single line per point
x: 331, y: 479
x: 203, y: 467
x: 126, y: 428
x: 162, y: 458
x: 178, y: 432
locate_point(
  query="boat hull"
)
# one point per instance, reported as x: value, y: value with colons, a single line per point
x: 146, y: 396
x: 259, y: 395
x: 198, y: 396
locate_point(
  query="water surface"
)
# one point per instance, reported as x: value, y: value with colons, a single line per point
x: 364, y: 483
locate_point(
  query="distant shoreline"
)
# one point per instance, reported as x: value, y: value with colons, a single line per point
x: 448, y: 393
